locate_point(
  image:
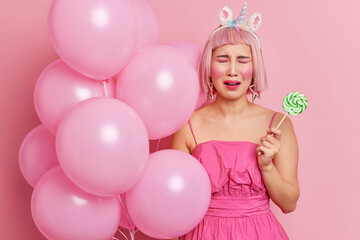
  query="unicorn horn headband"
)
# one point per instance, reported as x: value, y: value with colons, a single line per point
x: 226, y: 18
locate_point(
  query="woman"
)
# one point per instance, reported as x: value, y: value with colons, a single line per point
x: 248, y: 160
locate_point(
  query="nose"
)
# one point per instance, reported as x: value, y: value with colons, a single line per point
x: 232, y: 70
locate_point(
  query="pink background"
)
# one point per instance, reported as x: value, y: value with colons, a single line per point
x: 309, y: 46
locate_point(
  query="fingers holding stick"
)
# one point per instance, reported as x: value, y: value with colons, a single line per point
x: 271, y: 140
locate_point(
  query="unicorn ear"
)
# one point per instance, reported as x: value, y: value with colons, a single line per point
x: 254, y: 22
x: 225, y: 16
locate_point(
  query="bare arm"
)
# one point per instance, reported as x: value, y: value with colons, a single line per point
x: 280, y: 175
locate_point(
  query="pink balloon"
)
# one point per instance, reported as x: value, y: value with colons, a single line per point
x: 102, y: 146
x: 162, y: 86
x: 59, y: 88
x: 193, y: 54
x: 189, y: 49
x: 96, y: 38
x: 37, y: 154
x: 172, y: 197
x: 61, y: 210
x: 147, y: 23
x: 145, y: 16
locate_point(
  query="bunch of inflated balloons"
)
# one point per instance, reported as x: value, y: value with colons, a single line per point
x: 113, y: 88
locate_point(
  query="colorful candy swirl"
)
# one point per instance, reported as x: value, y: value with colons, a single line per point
x: 295, y: 103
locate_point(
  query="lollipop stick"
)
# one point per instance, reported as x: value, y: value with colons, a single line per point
x: 282, y: 120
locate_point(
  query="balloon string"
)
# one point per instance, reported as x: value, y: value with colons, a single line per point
x: 157, y: 147
x: 105, y: 89
x: 122, y: 234
x: 128, y: 218
x: 132, y: 233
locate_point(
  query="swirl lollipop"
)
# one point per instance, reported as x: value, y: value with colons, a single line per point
x: 294, y: 103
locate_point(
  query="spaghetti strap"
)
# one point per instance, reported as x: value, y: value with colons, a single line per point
x: 272, y: 119
x: 192, y: 132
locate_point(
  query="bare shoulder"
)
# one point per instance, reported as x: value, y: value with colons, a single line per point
x: 263, y: 113
x: 286, y: 124
x: 263, y: 118
x: 180, y: 139
x: 267, y: 114
x: 183, y: 139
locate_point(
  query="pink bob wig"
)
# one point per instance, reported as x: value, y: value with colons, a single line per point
x: 227, y: 36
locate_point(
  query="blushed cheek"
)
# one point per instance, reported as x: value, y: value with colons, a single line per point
x: 216, y: 72
x: 247, y: 73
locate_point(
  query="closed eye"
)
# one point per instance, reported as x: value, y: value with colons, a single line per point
x: 222, y: 59
x: 243, y: 59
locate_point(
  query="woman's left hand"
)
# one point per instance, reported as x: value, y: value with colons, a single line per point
x: 268, y: 147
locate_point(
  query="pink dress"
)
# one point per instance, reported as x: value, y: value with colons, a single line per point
x: 239, y: 207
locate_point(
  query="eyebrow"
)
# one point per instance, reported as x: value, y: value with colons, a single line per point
x: 227, y: 56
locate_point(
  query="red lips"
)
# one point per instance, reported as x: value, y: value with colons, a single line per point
x: 232, y: 84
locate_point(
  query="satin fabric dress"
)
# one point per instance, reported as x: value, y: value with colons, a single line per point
x: 239, y: 207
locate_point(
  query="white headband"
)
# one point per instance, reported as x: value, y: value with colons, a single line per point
x: 227, y: 21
